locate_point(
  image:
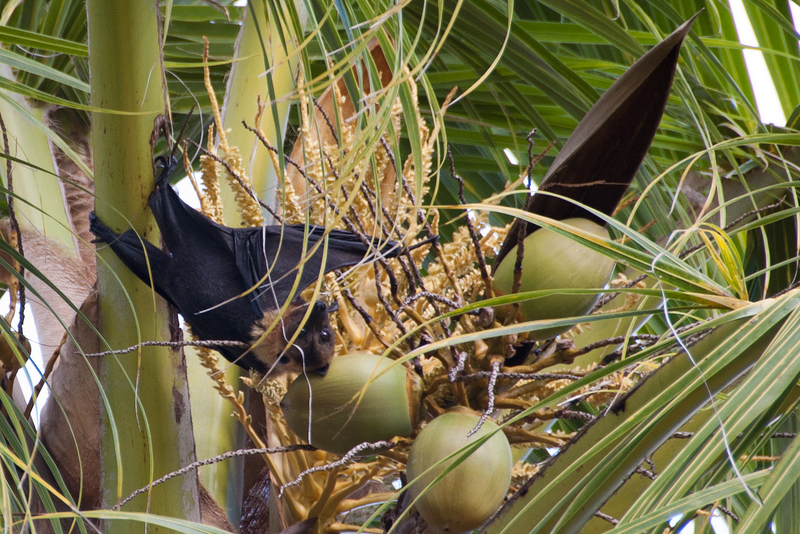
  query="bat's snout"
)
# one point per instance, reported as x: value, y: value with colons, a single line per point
x: 320, y: 308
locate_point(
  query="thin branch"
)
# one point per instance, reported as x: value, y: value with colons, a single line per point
x: 461, y: 360
x: 370, y: 322
x: 727, y: 512
x: 338, y: 463
x: 490, y: 402
x: 645, y: 473
x: 51, y: 364
x: 12, y: 214
x: 573, y: 414
x: 216, y: 459
x: 430, y: 296
x: 606, y: 517
x: 480, y: 375
x: 173, y: 344
x: 327, y: 119
x: 274, y: 150
x: 476, y: 243
x: 387, y: 307
x: 247, y: 189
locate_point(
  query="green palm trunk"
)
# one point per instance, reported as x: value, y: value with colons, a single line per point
x: 147, y: 422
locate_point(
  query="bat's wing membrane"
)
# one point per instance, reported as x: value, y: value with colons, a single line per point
x: 279, y: 251
x: 267, y: 258
x: 183, y: 227
x: 140, y: 256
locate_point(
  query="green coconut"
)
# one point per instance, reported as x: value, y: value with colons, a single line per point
x: 465, y: 498
x: 343, y: 413
x: 553, y: 261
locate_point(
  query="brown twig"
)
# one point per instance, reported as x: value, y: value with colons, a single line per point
x: 727, y: 512
x: 327, y: 119
x: 12, y: 214
x: 51, y: 363
x: 246, y: 188
x: 481, y: 375
x: 174, y: 344
x: 490, y: 400
x: 606, y: 517
x: 338, y: 463
x: 387, y: 307
x: 370, y: 322
x: 461, y: 360
x: 216, y: 459
x: 476, y: 243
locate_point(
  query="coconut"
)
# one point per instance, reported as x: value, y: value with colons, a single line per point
x: 362, y: 398
x: 465, y: 498
x: 553, y: 261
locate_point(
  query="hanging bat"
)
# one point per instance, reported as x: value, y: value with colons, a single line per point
x: 209, y: 269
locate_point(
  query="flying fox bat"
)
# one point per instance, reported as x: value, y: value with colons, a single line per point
x: 208, y: 268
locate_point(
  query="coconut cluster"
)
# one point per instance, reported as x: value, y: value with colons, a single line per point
x: 406, y: 372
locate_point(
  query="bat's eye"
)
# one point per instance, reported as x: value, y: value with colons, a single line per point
x: 283, y: 360
x: 324, y: 336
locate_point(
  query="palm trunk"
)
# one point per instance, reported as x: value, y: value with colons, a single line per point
x: 147, y: 427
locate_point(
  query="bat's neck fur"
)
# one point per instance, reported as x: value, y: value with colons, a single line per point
x: 312, y: 340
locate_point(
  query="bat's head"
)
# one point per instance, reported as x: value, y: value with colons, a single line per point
x: 312, y: 349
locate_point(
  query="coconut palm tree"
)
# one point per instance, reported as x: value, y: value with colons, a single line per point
x: 683, y: 404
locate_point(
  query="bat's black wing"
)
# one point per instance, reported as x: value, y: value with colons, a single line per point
x: 279, y: 252
x: 184, y: 230
x: 204, y: 279
x: 144, y: 259
x: 236, y: 260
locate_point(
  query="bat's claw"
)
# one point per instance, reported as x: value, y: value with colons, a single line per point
x: 167, y: 165
x: 100, y: 230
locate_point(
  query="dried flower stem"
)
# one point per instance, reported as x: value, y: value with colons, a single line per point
x: 338, y: 463
x: 327, y: 119
x: 239, y: 180
x: 173, y: 344
x: 370, y: 322
x: 490, y: 401
x: 216, y: 459
x: 487, y: 280
x: 606, y: 517
x: 518, y: 435
x: 482, y: 375
x: 461, y: 360
x: 187, y: 166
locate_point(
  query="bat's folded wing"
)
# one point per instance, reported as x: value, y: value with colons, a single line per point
x: 269, y: 258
